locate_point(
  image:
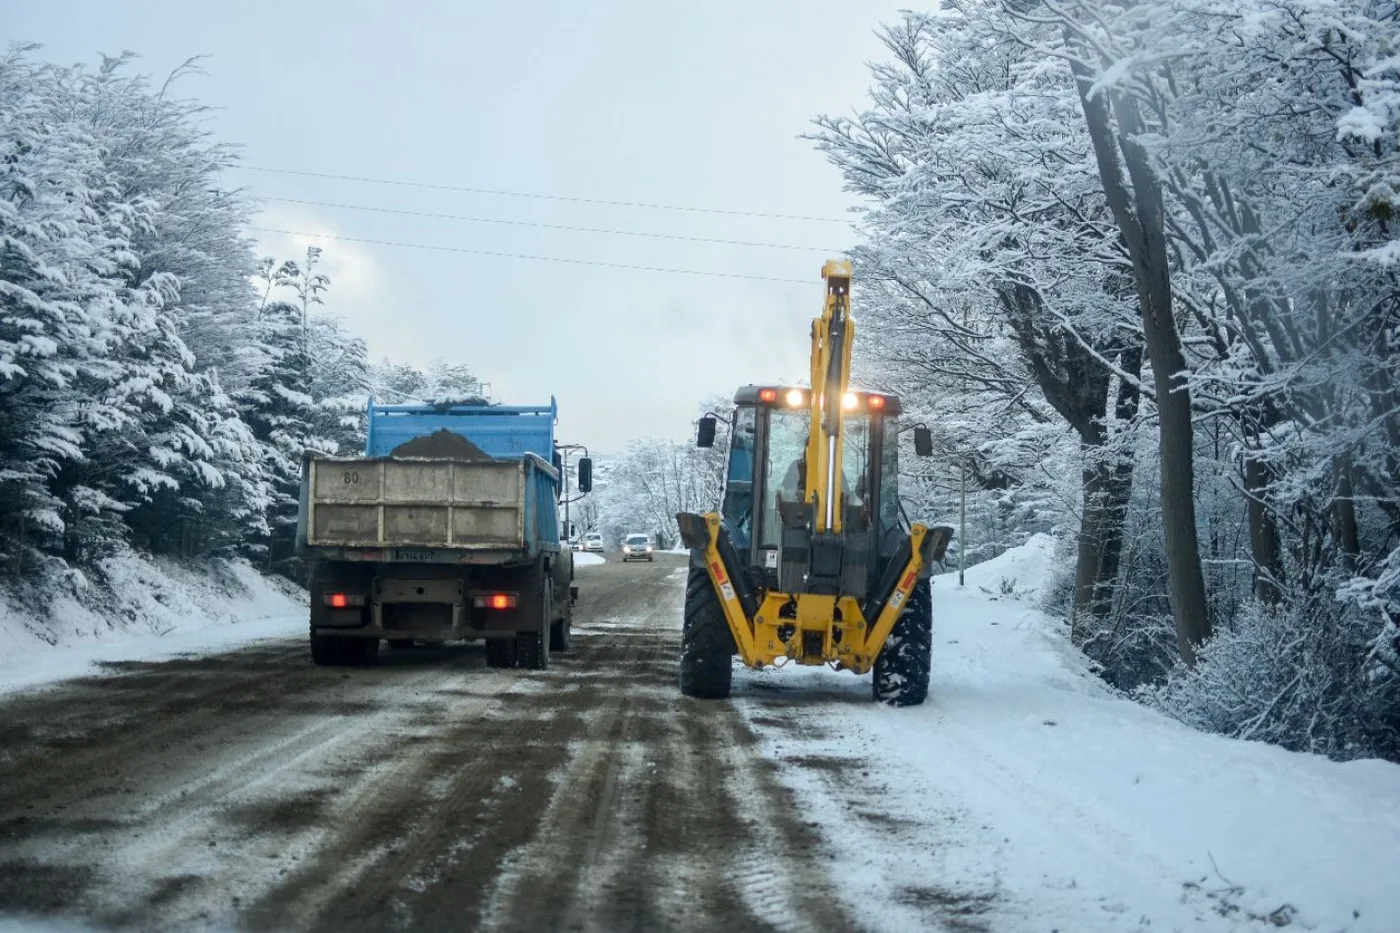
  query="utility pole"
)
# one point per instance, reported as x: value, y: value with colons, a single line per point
x: 962, y: 523
x: 962, y: 508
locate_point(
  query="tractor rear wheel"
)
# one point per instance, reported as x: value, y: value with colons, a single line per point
x: 903, y: 665
x: 707, y: 644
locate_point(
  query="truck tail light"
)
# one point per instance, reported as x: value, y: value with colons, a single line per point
x: 496, y: 600
x: 343, y: 600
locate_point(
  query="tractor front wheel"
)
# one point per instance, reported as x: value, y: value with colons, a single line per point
x: 903, y: 665
x: 707, y: 644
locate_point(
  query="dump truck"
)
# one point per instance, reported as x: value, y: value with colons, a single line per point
x: 446, y: 529
x: 810, y: 559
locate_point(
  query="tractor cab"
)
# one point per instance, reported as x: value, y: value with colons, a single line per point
x: 768, y: 440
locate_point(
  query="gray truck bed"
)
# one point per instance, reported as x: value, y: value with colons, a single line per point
x: 382, y: 502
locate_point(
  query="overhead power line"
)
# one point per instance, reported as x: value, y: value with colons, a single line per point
x: 496, y: 255
x: 542, y: 197
x: 543, y: 226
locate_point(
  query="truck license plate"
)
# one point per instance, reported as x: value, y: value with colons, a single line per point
x: 409, y: 554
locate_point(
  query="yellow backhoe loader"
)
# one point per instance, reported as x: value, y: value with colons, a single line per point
x: 810, y: 559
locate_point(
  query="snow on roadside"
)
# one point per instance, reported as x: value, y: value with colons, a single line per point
x: 1027, y: 795
x: 156, y: 609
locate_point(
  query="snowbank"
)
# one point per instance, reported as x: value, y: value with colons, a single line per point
x: 155, y: 609
x: 1027, y: 795
x: 585, y: 559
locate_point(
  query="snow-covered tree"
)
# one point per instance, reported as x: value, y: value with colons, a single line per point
x: 1097, y: 219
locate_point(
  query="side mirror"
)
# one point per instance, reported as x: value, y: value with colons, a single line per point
x: 923, y: 441
x: 558, y: 463
x: 705, y: 436
x: 585, y: 474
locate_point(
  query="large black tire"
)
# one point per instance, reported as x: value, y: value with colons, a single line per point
x: 561, y: 631
x: 903, y: 665
x: 533, y: 647
x: 707, y: 644
x: 533, y: 651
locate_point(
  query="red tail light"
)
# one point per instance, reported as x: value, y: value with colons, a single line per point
x: 495, y: 600
x: 342, y: 600
x: 875, y: 401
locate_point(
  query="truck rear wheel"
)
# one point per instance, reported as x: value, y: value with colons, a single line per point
x: 533, y: 650
x: 533, y: 647
x: 707, y: 644
x: 903, y: 665
x: 561, y: 631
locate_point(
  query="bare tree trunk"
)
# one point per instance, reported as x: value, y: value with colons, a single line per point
x: 1139, y: 215
x: 1076, y: 384
x: 1263, y: 534
x: 1344, y: 510
x: 1089, y: 561
x: 1119, y: 491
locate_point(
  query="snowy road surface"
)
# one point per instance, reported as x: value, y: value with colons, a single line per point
x: 249, y: 790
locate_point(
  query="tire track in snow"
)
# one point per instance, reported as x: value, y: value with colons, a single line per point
x: 250, y: 790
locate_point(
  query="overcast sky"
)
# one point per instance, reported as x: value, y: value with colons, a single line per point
x: 696, y: 105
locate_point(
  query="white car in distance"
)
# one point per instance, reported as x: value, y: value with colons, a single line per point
x: 636, y: 547
x: 592, y: 541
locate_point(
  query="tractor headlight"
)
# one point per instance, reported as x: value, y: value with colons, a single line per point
x: 850, y: 401
x: 796, y: 398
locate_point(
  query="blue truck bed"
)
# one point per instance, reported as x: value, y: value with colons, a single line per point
x: 501, y: 431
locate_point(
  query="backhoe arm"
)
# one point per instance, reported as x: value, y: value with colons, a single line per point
x: 833, y: 335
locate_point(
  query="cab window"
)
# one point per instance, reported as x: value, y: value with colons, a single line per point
x: 738, y: 488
